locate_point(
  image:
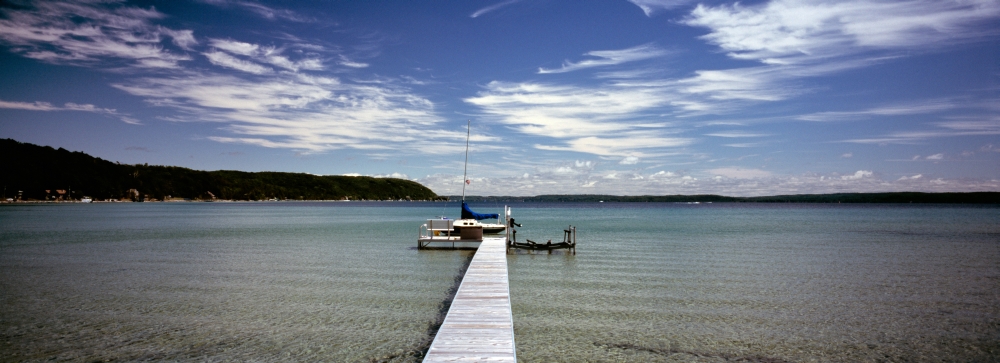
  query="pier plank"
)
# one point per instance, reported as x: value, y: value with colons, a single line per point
x: 479, y: 326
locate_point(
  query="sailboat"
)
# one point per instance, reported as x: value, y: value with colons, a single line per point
x: 469, y: 217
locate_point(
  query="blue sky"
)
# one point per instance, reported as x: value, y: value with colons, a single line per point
x: 565, y: 97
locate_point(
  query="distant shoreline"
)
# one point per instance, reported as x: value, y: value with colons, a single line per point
x: 849, y: 198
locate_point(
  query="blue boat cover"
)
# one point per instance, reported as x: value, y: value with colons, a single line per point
x: 469, y: 214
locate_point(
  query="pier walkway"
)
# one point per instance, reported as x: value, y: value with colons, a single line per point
x: 479, y: 326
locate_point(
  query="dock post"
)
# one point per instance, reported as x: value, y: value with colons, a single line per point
x: 574, y: 240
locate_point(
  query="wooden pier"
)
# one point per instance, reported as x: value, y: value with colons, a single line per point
x: 479, y: 326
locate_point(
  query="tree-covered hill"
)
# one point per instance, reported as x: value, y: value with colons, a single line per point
x: 39, y: 172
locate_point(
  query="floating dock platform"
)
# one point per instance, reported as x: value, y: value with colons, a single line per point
x: 479, y: 326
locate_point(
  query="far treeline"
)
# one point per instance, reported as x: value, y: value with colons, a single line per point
x: 32, y: 172
x: 900, y: 197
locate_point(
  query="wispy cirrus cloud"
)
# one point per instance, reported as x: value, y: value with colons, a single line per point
x: 274, y: 99
x: 609, y: 58
x: 628, y: 144
x: 90, y: 33
x: 263, y: 11
x: 750, y: 84
x: 257, y: 59
x: 736, y: 134
x: 69, y: 106
x: 493, y: 7
x: 234, y: 46
x: 803, y: 31
x: 620, y: 117
x: 913, y: 108
x: 605, y: 121
x: 790, y: 40
x: 989, y: 125
x: 344, y: 61
x: 651, y: 6
x: 958, y: 126
x: 793, y: 40
x: 226, y: 60
x: 796, y: 39
x: 297, y: 111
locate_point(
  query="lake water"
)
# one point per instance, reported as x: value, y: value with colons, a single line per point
x: 650, y: 282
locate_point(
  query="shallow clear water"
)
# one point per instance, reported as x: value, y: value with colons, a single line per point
x: 649, y: 282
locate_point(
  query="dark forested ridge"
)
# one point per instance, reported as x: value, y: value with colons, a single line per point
x: 899, y: 197
x: 41, y: 172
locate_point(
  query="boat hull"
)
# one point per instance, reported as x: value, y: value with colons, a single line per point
x: 490, y: 228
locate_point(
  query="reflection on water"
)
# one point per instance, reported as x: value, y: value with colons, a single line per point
x: 650, y: 282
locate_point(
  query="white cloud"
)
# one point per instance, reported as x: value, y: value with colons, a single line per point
x: 35, y: 106
x: 742, y: 182
x: 296, y: 111
x: 265, y: 12
x: 746, y: 144
x: 259, y: 54
x: 752, y: 84
x: 915, y: 108
x: 69, y: 106
x: 349, y: 63
x: 739, y: 173
x: 664, y: 174
x: 182, y: 38
x: 92, y: 33
x: 270, y: 107
x: 608, y: 58
x: 797, y: 31
x: 651, y: 6
x: 847, y: 155
x: 978, y: 126
x: 736, y: 134
x: 578, y: 167
x: 228, y: 61
x: 600, y: 121
x: 807, y: 38
x: 493, y: 7
x: 235, y: 47
x: 793, y: 39
x: 988, y: 126
x: 393, y: 175
x: 618, y: 146
x: 936, y: 157
x: 629, y: 160
x: 860, y: 174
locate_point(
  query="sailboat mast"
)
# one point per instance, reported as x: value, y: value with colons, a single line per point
x: 465, y: 171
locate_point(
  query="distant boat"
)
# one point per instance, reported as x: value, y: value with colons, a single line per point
x: 467, y: 228
x: 86, y: 200
x: 468, y: 217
